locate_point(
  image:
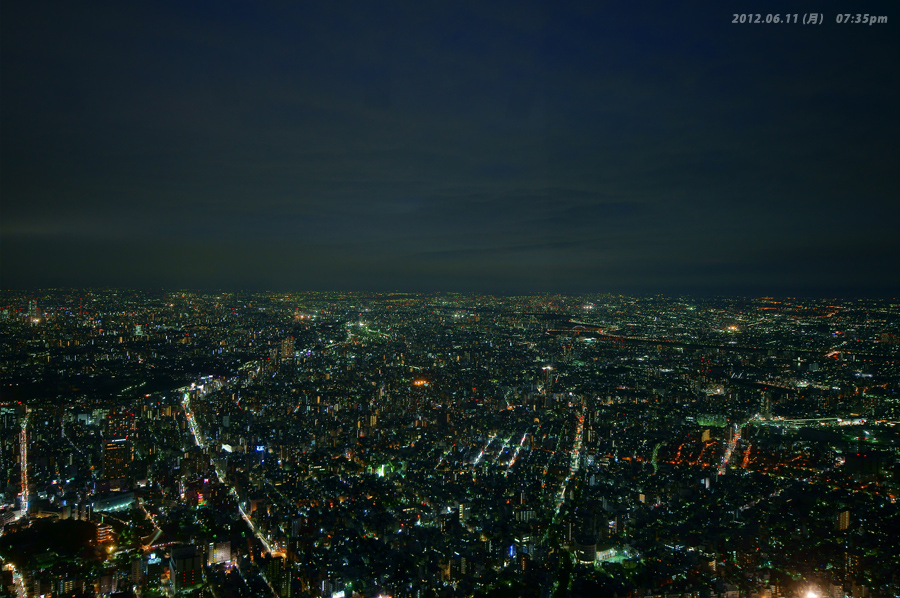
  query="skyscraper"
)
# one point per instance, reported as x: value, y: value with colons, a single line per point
x: 119, y: 424
x: 185, y: 567
x: 287, y: 349
x: 843, y: 520
x: 117, y: 457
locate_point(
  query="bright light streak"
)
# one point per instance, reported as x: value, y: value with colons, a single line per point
x: 23, y: 451
x: 262, y: 539
x: 573, y: 465
x: 481, y: 454
x: 515, y: 455
x: 728, y: 451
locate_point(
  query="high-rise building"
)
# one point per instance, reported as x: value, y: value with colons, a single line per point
x: 120, y: 423
x: 136, y: 574
x: 185, y: 567
x: 70, y: 584
x: 279, y: 576
x: 219, y: 552
x: 287, y: 350
x: 117, y: 457
x: 10, y: 442
x: 843, y: 520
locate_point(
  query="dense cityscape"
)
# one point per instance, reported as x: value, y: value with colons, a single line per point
x: 337, y: 445
x: 508, y: 299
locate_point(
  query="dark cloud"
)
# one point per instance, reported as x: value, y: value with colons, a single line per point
x: 507, y: 148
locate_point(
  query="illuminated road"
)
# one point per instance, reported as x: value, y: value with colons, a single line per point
x: 729, y: 450
x: 262, y: 538
x: 443, y: 456
x: 186, y: 403
x: 196, y: 432
x: 574, y: 463
x: 481, y: 454
x: 746, y: 460
x: 17, y: 579
x: 516, y: 454
x: 157, y: 532
x: 74, y: 446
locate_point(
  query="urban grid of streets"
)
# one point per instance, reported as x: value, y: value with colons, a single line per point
x: 451, y: 445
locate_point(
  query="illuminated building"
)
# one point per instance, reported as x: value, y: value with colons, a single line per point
x: 843, y: 521
x: 185, y: 567
x: 287, y: 349
x: 219, y: 552
x: 117, y: 456
x: 120, y: 424
x: 104, y: 533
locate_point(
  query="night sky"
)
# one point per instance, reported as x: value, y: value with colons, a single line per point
x: 494, y: 147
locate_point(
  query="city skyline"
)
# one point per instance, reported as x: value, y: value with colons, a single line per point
x: 363, y: 445
x: 509, y: 149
